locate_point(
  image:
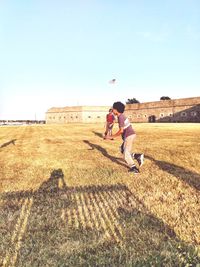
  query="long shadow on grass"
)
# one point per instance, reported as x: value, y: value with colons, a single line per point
x: 98, y: 134
x: 193, y: 179
x: 8, y: 143
x: 31, y: 217
x: 105, y: 153
x: 96, y: 225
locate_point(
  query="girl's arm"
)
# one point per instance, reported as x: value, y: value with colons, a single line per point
x: 118, y: 133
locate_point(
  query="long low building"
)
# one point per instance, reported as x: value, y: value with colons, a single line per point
x: 85, y: 114
x: 176, y: 110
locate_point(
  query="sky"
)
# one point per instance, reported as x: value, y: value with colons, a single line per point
x: 64, y: 53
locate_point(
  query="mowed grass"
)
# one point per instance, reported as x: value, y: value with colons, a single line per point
x: 67, y: 199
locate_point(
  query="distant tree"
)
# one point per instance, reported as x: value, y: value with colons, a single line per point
x: 165, y: 98
x: 132, y: 101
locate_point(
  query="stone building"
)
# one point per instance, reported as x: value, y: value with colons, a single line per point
x: 85, y: 114
x: 176, y: 110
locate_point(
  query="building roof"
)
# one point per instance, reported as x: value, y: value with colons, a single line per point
x: 78, y: 109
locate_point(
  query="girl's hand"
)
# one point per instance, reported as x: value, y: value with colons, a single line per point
x: 109, y: 137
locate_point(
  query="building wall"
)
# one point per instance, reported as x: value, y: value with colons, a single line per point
x: 63, y: 116
x: 85, y: 114
x: 94, y: 114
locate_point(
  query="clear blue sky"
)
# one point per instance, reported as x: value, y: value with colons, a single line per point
x: 63, y: 53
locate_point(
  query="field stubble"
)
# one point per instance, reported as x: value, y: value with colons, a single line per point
x: 67, y: 198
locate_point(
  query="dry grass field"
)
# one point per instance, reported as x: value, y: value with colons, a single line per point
x: 67, y: 199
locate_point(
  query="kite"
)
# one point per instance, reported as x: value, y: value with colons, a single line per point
x: 112, y: 81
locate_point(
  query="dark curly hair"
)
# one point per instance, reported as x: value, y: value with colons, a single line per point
x: 119, y: 106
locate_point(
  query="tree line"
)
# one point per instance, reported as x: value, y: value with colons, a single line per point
x: 134, y: 100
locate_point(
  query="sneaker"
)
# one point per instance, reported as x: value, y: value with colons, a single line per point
x: 140, y: 159
x: 134, y: 169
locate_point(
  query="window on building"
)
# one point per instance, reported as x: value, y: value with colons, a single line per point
x: 193, y: 113
x: 183, y: 114
x: 138, y: 115
x: 130, y: 116
x: 170, y: 114
x: 77, y: 117
x: 161, y: 115
x: 145, y: 115
x: 89, y: 117
x: 98, y: 117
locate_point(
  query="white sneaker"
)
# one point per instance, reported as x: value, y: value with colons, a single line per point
x: 140, y: 160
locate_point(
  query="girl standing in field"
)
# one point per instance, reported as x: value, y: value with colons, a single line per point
x: 110, y: 119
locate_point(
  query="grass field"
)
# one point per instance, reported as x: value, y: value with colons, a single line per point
x: 67, y: 199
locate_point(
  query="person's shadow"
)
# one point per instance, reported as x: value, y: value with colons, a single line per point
x: 8, y: 143
x: 105, y: 153
x: 98, y: 134
x: 54, y: 184
x: 192, y: 178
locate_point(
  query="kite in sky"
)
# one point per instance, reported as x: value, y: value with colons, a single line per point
x: 112, y: 81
